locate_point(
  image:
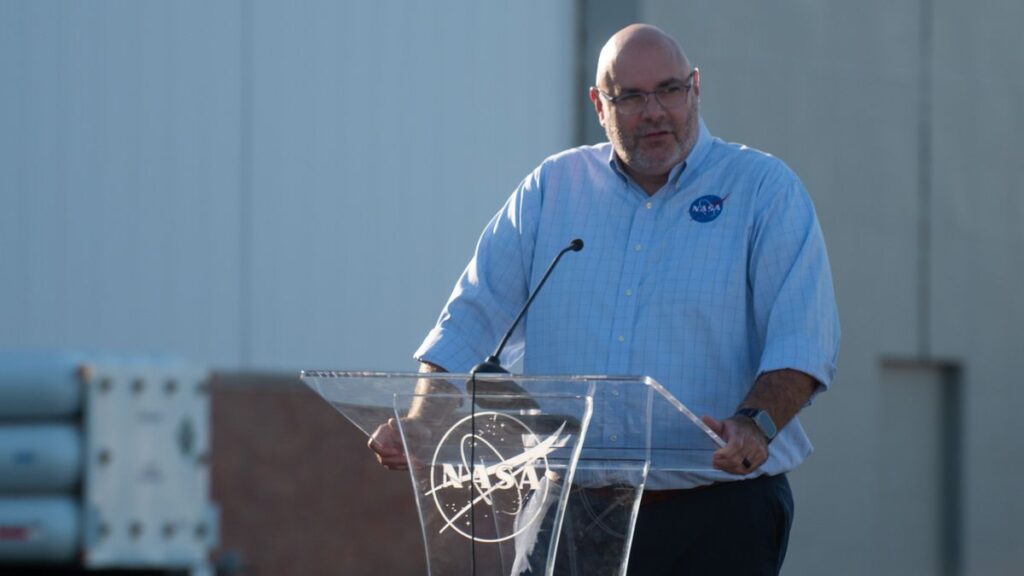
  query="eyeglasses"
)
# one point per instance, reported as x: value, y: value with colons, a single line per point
x: 671, y: 96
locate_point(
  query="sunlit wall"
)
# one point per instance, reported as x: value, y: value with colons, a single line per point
x: 262, y: 184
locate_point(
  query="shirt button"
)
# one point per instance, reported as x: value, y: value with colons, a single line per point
x: 638, y: 247
x: 629, y: 292
x: 622, y: 338
x: 613, y: 437
x: 650, y: 205
x: 615, y: 392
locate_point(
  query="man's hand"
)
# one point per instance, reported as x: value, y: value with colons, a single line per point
x: 746, y: 448
x: 782, y: 393
x: 386, y: 442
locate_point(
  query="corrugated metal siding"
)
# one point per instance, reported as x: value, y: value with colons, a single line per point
x: 385, y: 136
x: 259, y: 183
x: 902, y: 119
x: 119, y: 177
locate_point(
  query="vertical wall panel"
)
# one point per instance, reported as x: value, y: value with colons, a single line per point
x: 902, y: 121
x: 119, y: 177
x: 831, y: 89
x: 255, y: 184
x: 978, y: 269
x: 918, y: 478
x: 385, y: 135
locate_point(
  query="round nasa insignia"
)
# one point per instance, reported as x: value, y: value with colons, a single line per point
x: 706, y: 208
x: 510, y: 477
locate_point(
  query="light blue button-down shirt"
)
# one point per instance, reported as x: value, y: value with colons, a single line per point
x: 719, y: 276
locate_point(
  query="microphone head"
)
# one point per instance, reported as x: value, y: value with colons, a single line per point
x: 576, y: 245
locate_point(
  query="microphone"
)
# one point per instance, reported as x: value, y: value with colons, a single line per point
x: 504, y: 394
x: 492, y: 364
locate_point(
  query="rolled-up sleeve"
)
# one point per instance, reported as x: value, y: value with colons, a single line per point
x: 791, y: 283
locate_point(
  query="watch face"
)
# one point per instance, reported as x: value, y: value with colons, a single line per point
x: 765, y: 423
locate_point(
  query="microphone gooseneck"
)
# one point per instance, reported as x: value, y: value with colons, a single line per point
x: 492, y: 364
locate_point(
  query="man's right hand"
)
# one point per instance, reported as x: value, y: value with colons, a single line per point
x: 386, y: 442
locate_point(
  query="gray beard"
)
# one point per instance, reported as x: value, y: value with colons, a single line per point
x: 645, y: 161
x: 627, y: 146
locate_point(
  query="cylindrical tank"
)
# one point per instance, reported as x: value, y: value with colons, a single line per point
x: 39, y: 529
x: 36, y: 385
x: 39, y: 458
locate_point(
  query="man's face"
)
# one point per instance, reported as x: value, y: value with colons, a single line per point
x: 652, y: 141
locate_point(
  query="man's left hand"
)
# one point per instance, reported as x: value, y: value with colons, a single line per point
x: 746, y: 448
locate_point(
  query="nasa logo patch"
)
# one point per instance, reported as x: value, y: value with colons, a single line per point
x: 706, y: 208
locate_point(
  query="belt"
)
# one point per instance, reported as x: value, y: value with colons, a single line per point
x: 658, y: 496
x: 649, y: 496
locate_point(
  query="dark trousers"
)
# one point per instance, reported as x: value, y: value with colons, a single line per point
x: 733, y: 528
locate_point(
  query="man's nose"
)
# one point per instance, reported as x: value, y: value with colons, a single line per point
x: 653, y: 107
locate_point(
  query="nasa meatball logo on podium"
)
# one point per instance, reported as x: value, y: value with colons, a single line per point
x: 510, y: 476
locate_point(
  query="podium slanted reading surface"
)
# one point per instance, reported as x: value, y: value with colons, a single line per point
x: 540, y: 475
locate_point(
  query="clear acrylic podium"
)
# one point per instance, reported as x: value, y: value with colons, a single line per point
x: 540, y: 475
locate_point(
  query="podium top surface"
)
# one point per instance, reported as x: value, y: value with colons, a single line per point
x: 630, y: 417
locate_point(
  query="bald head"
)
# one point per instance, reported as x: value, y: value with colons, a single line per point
x: 632, y: 39
x: 647, y: 99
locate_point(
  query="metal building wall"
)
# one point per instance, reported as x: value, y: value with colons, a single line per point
x: 385, y: 135
x: 262, y: 184
x: 119, y: 177
x: 901, y: 119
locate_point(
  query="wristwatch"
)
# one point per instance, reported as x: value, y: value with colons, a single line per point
x: 761, y: 419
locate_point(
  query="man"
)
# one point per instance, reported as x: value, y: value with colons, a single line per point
x: 704, y: 268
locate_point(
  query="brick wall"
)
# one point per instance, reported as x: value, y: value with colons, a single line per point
x: 299, y: 493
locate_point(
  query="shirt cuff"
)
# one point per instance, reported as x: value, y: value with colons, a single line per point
x: 447, y: 349
x: 822, y: 372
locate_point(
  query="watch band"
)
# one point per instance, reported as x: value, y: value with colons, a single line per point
x: 762, y: 420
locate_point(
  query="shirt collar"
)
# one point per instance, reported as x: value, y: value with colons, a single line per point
x: 694, y: 158
x: 700, y: 148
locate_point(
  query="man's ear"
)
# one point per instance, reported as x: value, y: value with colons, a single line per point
x: 595, y: 97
